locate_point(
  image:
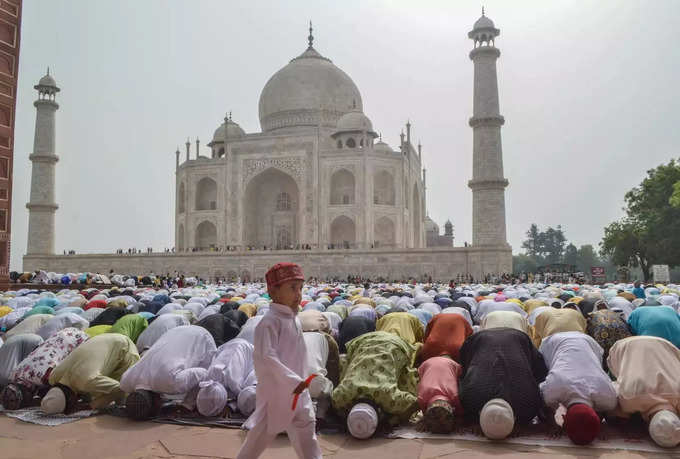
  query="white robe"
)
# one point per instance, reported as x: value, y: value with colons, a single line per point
x: 574, y: 361
x: 158, y: 328
x: 175, y: 364
x: 233, y: 366
x: 280, y: 360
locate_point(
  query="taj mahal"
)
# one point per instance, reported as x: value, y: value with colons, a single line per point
x: 317, y: 186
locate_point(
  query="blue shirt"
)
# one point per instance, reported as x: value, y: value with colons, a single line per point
x: 660, y: 321
x: 639, y: 292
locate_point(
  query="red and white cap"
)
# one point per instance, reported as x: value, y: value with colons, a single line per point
x: 283, y: 272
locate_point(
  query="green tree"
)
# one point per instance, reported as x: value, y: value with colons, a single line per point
x: 524, y: 263
x: 587, y: 258
x: 626, y: 245
x: 675, y: 197
x: 650, y: 231
x: 553, y: 244
x: 571, y: 255
x: 532, y: 244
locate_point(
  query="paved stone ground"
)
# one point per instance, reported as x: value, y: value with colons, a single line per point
x: 111, y: 437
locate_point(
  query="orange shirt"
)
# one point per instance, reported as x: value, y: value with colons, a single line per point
x: 445, y: 335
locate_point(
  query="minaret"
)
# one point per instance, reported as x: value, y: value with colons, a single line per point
x: 487, y: 184
x: 42, y: 205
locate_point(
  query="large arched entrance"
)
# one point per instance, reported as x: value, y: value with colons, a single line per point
x: 343, y: 232
x: 271, y: 208
x: 206, y: 236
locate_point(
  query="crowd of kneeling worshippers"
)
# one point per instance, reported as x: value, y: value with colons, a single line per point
x: 497, y: 356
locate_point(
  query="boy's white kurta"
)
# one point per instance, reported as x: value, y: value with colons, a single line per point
x: 280, y: 360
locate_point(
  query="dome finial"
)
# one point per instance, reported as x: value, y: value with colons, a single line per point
x: 310, y: 38
x: 482, y: 11
x: 48, y: 69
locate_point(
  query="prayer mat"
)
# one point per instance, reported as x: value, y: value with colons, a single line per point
x: 538, y: 435
x: 35, y: 415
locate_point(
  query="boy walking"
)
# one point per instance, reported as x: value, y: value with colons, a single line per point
x: 280, y: 365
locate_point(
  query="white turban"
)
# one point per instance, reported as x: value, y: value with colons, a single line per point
x: 497, y: 419
x: 664, y: 428
x: 246, y: 400
x: 211, y: 398
x: 362, y: 421
x: 54, y: 401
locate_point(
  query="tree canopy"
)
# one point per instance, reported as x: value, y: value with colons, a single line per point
x: 649, y: 233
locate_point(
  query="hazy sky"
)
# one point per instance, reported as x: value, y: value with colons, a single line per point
x: 588, y: 90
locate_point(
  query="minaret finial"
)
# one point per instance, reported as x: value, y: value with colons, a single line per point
x: 310, y: 38
x: 229, y: 115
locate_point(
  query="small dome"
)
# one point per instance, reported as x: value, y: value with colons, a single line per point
x: 431, y: 226
x: 354, y: 121
x: 483, y: 23
x: 382, y: 147
x: 233, y: 131
x: 47, y: 80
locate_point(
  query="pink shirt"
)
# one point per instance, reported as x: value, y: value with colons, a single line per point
x: 439, y: 381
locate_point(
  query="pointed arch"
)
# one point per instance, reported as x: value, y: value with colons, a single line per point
x: 342, y: 187
x: 206, y: 194
x: 181, y: 198
x: 383, y: 188
x: 384, y: 232
x: 343, y: 232
x: 206, y: 236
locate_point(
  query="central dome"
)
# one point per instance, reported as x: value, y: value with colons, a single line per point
x: 310, y: 90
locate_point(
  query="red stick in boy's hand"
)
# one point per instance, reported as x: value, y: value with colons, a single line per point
x: 302, y: 386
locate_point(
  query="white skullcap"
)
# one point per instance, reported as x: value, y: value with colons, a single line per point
x: 362, y: 421
x: 497, y: 419
x: 664, y: 428
x: 211, y: 399
x: 319, y: 386
x: 246, y: 400
x: 54, y: 401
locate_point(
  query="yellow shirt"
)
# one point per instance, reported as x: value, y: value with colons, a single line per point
x: 553, y: 321
x: 404, y: 325
x: 95, y: 368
